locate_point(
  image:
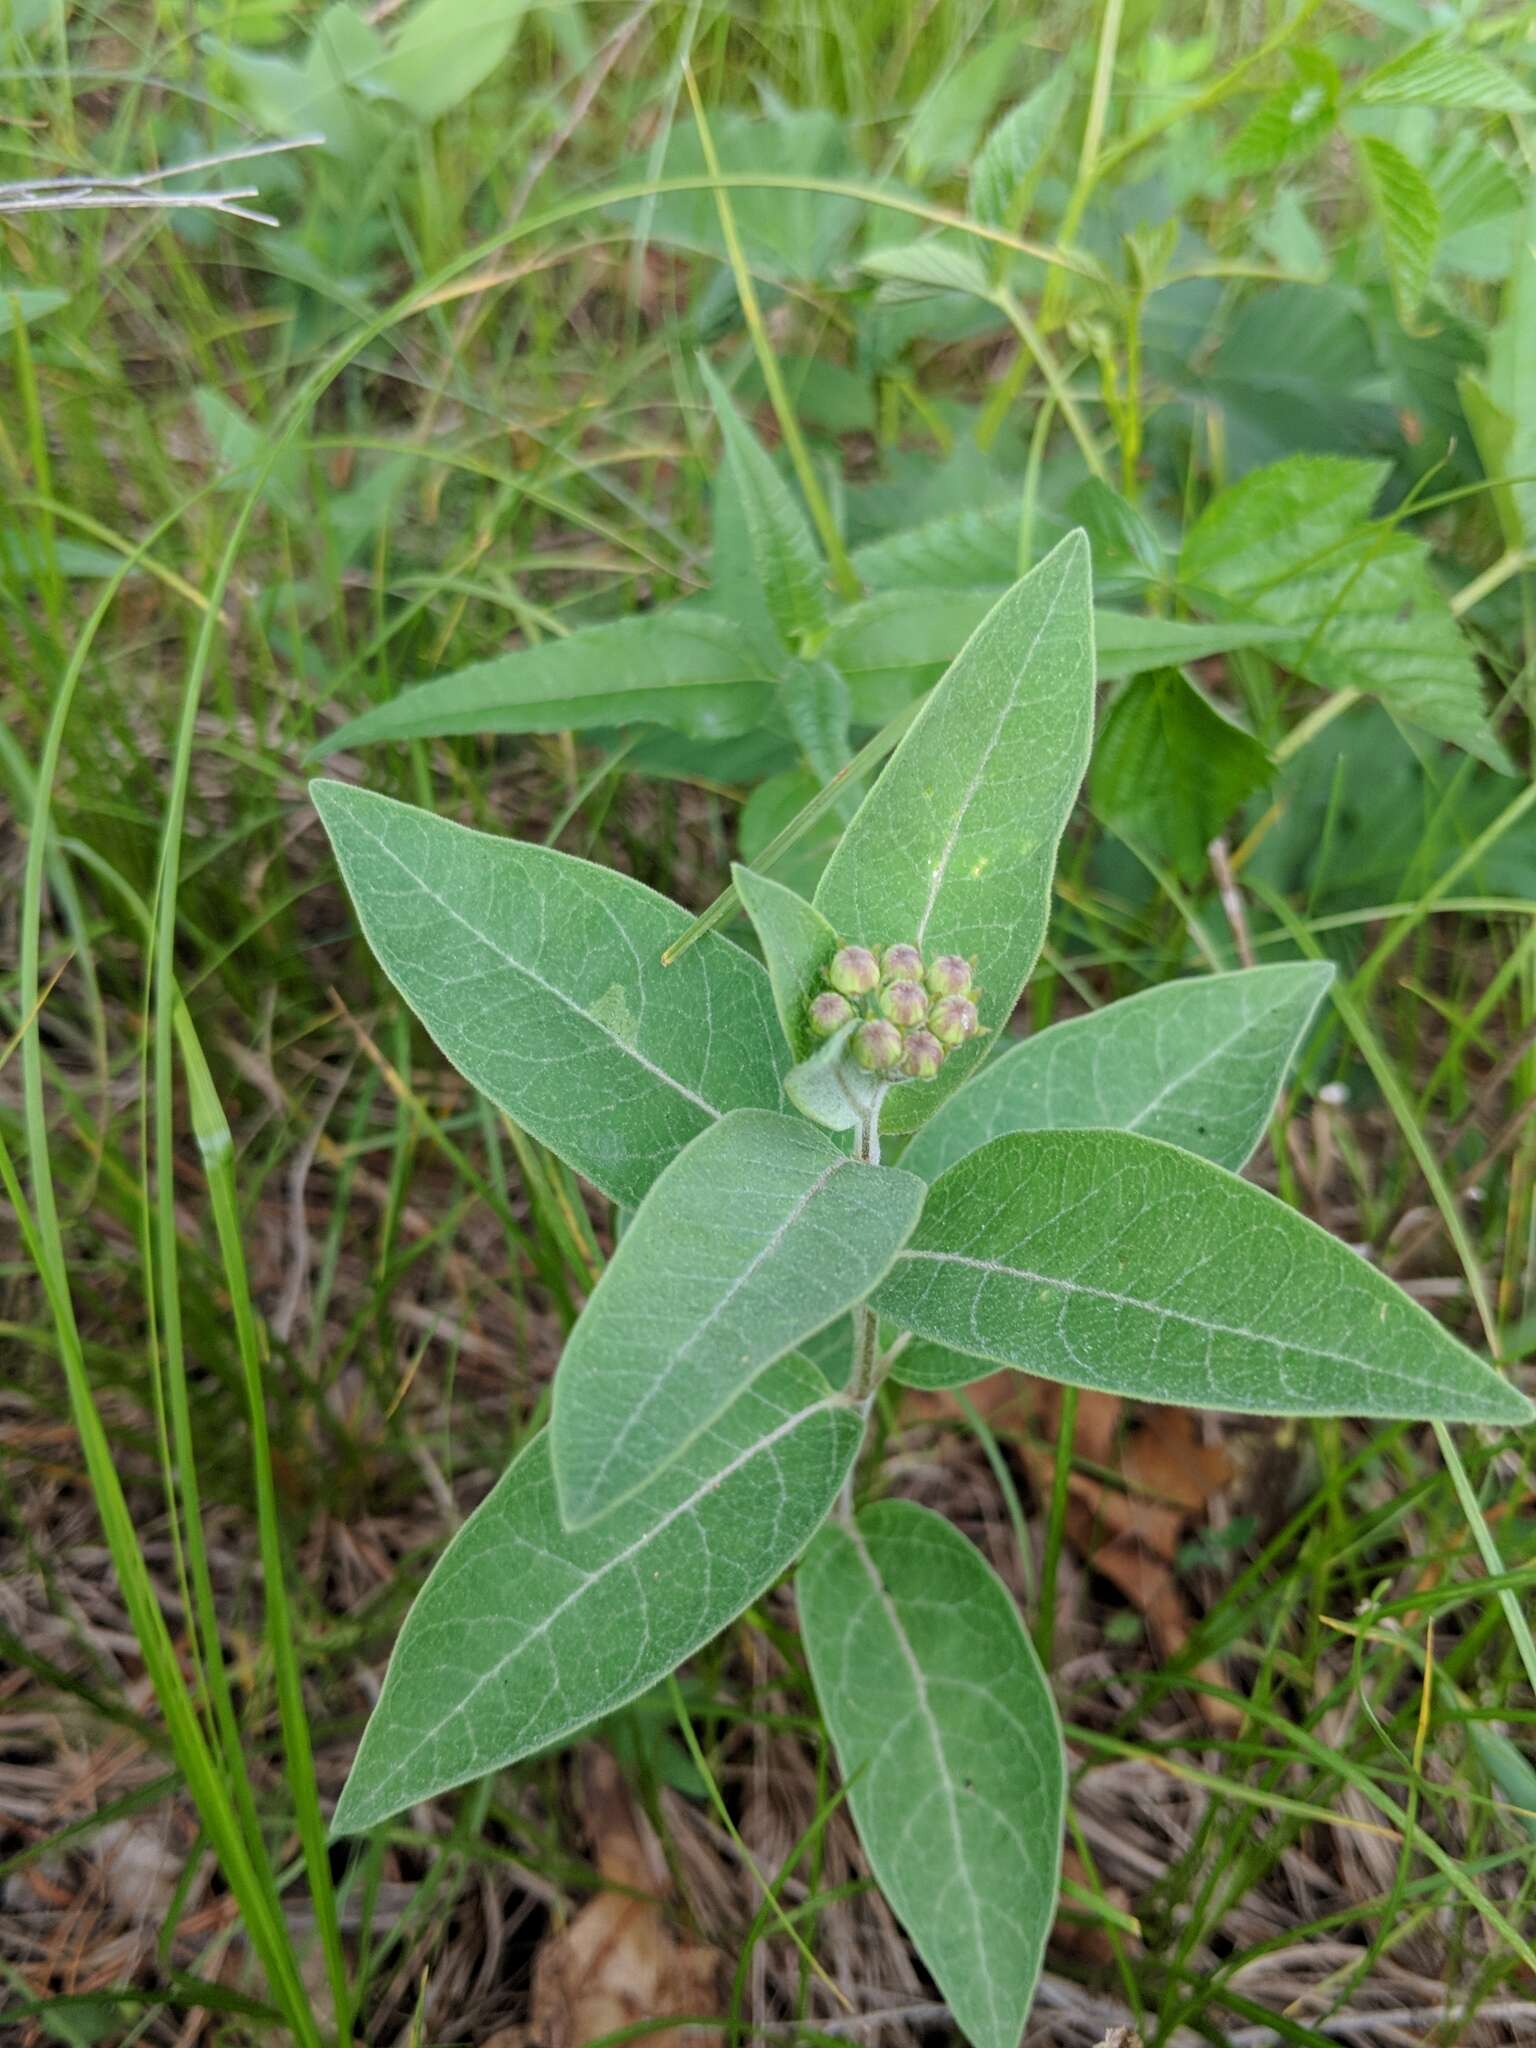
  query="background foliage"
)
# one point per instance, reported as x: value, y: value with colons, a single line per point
x: 631, y: 412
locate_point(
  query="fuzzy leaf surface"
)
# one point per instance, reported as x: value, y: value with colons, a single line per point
x: 686, y: 669
x: 947, y: 1734
x: 1196, y: 1063
x: 797, y: 944
x: 1113, y: 1261
x: 955, y: 846
x: 755, y: 1237
x: 539, y: 976
x: 526, y: 1631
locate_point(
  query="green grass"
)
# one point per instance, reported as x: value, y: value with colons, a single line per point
x: 278, y: 1295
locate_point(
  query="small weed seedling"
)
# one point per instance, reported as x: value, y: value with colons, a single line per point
x: 822, y: 1152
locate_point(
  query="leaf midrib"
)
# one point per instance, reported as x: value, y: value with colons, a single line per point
x: 957, y: 825
x: 662, y: 1380
x: 529, y: 974
x: 924, y: 1710
x: 1152, y: 1308
x: 829, y: 1405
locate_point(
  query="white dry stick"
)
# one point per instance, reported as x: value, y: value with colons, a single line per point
x: 78, y: 194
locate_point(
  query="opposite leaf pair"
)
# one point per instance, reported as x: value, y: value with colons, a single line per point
x: 1067, y: 1208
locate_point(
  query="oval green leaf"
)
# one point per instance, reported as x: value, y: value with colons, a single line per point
x: 955, y: 846
x: 526, y: 1632
x: 1114, y: 1261
x: 1196, y: 1063
x: 758, y: 1235
x: 539, y: 976
x: 946, y: 1732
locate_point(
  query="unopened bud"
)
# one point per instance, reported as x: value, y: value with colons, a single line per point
x: 854, y: 971
x: 901, y: 963
x: 952, y: 1020
x: 876, y: 1045
x: 904, y: 1003
x: 829, y: 1013
x: 950, y: 975
x: 924, y: 1056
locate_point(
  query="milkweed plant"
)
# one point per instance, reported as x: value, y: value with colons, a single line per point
x: 836, y: 1170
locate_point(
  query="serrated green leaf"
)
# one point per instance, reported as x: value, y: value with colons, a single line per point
x: 539, y: 976
x: 1409, y: 218
x: 955, y: 846
x: 756, y: 1236
x: 947, y: 1736
x: 1169, y: 769
x: 1293, y: 545
x: 1195, y: 1063
x: 815, y: 701
x: 1436, y: 73
x: 685, y: 669
x: 526, y: 1631
x: 797, y: 944
x: 1113, y: 1261
x: 919, y: 268
x: 1289, y: 124
x: 789, y: 567
x: 1005, y: 174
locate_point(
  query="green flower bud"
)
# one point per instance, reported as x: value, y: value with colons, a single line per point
x: 952, y: 1020
x: 901, y: 963
x: 829, y: 1013
x: 854, y: 971
x: 924, y: 1056
x: 950, y: 975
x: 904, y: 1003
x: 876, y: 1045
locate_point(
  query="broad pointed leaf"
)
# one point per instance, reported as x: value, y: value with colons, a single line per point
x: 539, y: 976
x: 526, y: 1632
x: 1195, y: 1063
x: 955, y: 846
x: 758, y: 1235
x: 946, y: 1732
x: 797, y: 944
x: 1114, y: 1261
x: 789, y: 568
x: 687, y: 669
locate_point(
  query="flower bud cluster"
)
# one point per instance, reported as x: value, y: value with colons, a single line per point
x: 908, y: 1015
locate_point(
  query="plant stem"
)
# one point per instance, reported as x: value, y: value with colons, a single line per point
x: 1056, y: 1525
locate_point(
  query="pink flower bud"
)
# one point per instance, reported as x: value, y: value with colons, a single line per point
x: 876, y: 1045
x: 904, y: 1003
x: 854, y: 971
x: 924, y: 1056
x: 952, y: 1020
x: 950, y: 975
x: 829, y: 1013
x: 901, y: 963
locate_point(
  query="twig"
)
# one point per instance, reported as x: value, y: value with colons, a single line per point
x: 82, y: 193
